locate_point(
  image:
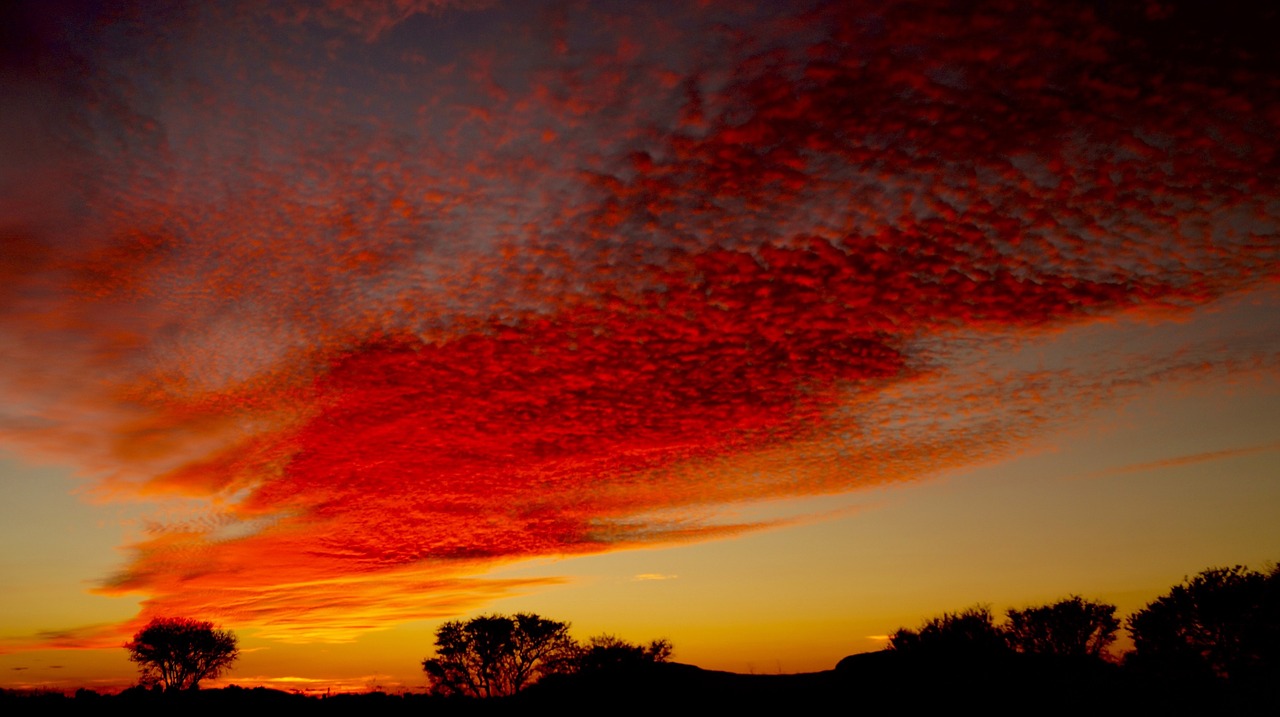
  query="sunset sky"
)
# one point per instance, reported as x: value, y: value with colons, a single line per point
x: 764, y: 327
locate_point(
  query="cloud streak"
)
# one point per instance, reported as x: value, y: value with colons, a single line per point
x: 1186, y: 460
x: 368, y: 299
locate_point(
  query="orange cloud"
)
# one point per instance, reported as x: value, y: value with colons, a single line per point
x: 398, y: 307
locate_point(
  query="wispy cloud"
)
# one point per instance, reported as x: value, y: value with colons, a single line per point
x: 1187, y: 459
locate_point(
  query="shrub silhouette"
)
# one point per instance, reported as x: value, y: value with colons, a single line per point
x: 1224, y: 622
x: 608, y: 653
x: 1070, y: 627
x: 968, y: 632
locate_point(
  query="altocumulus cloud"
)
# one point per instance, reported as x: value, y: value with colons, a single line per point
x: 395, y: 292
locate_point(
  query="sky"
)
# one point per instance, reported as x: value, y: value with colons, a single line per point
x: 764, y: 327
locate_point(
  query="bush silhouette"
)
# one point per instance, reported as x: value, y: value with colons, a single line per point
x: 608, y: 653
x: 1224, y: 622
x: 968, y: 632
x: 1070, y: 627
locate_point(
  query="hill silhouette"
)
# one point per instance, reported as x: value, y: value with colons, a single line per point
x: 1010, y: 684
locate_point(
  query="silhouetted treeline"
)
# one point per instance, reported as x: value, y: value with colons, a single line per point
x: 1216, y: 636
x: 1211, y: 645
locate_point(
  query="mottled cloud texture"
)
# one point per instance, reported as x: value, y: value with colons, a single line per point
x: 368, y: 297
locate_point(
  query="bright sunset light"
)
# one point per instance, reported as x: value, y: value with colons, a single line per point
x: 764, y: 327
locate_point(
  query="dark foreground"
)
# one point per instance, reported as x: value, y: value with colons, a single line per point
x: 872, y: 683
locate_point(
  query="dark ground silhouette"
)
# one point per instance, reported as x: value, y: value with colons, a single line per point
x: 1211, y: 645
x: 879, y: 682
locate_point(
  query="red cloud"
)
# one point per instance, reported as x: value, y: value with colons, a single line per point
x: 398, y: 310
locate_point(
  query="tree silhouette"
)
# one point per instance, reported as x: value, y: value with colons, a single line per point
x: 968, y: 632
x: 497, y: 655
x: 1224, y: 622
x: 177, y: 653
x: 1073, y: 627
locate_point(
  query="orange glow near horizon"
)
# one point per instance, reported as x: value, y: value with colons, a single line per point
x: 353, y: 313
